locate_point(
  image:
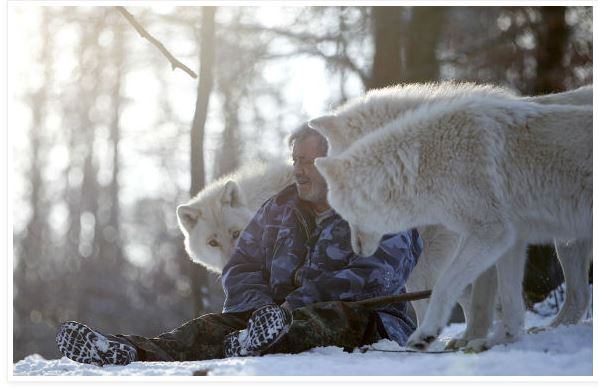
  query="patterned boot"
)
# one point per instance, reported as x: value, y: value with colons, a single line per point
x: 82, y: 344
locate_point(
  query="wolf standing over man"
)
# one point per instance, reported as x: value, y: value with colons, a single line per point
x: 511, y: 171
x: 290, y: 272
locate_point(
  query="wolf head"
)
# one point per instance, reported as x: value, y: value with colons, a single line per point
x: 212, y: 223
x: 347, y: 197
x: 372, y: 185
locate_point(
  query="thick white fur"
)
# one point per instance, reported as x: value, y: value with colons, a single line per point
x: 579, y: 96
x: 378, y: 107
x: 223, y: 208
x: 491, y: 169
x: 365, y: 114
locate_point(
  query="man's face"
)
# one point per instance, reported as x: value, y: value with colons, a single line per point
x: 311, y: 186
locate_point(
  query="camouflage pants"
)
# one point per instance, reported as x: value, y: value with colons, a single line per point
x: 322, y: 324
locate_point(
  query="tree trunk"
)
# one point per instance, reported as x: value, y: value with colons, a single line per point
x: 227, y: 158
x: 551, y: 40
x: 421, y: 64
x: 89, y: 195
x: 32, y: 254
x: 386, y: 69
x: 198, y: 274
x: 37, y: 227
x: 110, y: 242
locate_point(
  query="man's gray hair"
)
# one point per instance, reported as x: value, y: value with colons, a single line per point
x: 303, y: 132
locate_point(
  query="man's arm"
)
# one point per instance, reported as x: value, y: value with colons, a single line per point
x: 243, y: 278
x: 383, y: 273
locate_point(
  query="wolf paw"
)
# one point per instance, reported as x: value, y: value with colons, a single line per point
x: 502, y: 337
x: 477, y: 345
x: 420, y: 340
x: 565, y: 318
x: 455, y: 344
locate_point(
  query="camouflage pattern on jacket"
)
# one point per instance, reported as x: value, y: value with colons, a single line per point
x: 284, y: 254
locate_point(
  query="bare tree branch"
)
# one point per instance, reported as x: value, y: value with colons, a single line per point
x: 309, y: 42
x: 303, y: 37
x: 342, y: 61
x: 460, y: 55
x: 173, y: 61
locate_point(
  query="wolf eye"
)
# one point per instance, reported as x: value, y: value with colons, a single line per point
x: 236, y: 234
x: 213, y: 243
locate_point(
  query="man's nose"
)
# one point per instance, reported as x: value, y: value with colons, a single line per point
x: 298, y: 170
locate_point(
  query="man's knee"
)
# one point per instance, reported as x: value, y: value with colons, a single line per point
x: 233, y: 320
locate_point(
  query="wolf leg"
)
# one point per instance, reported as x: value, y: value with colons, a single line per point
x: 483, y: 299
x: 421, y: 278
x: 420, y: 307
x: 418, y: 281
x: 478, y: 310
x: 575, y: 257
x: 439, y: 247
x: 510, y: 271
x: 475, y: 254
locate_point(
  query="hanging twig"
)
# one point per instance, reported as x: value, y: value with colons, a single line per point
x: 173, y: 61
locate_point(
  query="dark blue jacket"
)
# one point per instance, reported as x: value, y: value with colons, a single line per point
x: 285, y: 254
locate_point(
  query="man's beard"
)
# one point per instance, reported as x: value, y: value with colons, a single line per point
x: 314, y: 195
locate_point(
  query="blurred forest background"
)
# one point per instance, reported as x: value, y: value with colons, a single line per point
x: 103, y: 130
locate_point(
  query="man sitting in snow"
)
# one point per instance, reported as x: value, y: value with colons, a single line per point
x: 285, y: 284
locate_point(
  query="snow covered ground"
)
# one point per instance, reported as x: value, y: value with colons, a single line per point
x: 564, y: 351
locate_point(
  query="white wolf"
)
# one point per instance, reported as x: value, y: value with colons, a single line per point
x: 212, y: 220
x: 489, y: 169
x: 367, y: 113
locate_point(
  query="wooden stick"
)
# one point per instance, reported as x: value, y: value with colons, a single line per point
x: 386, y: 300
x: 173, y: 61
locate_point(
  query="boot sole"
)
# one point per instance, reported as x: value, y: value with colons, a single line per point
x: 82, y: 344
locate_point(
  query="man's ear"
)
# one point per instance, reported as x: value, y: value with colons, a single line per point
x: 187, y: 216
x: 231, y: 195
x: 329, y: 126
x: 330, y: 168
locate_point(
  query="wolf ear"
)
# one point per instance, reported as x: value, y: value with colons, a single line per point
x: 231, y: 195
x: 410, y: 159
x: 187, y: 216
x: 328, y: 126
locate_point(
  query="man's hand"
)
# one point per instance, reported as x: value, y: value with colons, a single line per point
x: 266, y: 326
